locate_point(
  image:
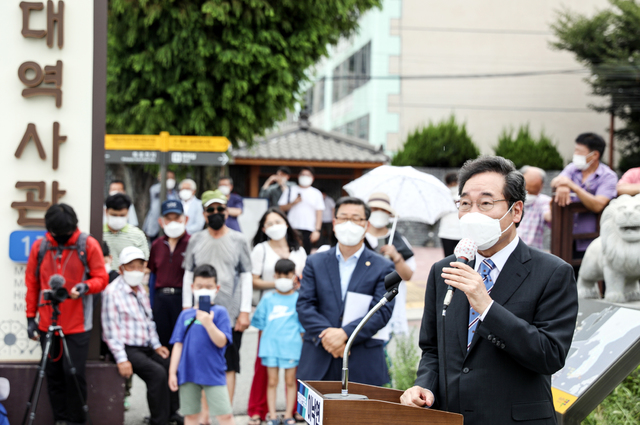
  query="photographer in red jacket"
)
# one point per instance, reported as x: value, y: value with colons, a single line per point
x: 77, y: 258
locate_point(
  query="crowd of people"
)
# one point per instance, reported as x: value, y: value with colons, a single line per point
x: 177, y: 295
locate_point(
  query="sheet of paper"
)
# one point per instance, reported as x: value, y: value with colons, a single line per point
x: 356, y: 306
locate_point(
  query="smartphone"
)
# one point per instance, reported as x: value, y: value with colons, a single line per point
x: 204, y: 303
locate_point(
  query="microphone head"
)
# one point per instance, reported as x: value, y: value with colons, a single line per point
x: 466, y: 249
x: 56, y: 281
x: 391, y: 280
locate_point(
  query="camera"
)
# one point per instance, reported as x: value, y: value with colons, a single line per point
x: 55, y: 296
x: 58, y: 293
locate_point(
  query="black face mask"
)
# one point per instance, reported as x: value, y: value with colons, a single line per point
x: 216, y: 221
x: 62, y: 239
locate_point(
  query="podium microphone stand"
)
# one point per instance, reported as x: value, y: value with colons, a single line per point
x: 391, y: 284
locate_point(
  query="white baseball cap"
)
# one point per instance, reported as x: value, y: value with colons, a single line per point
x: 131, y: 253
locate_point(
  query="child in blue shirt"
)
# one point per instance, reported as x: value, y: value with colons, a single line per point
x: 281, y: 341
x: 198, y: 364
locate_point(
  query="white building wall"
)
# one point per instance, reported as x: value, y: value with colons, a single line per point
x: 493, y: 37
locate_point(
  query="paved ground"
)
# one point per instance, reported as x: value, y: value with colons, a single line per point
x: 425, y: 257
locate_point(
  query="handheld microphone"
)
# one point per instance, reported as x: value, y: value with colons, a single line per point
x: 465, y: 253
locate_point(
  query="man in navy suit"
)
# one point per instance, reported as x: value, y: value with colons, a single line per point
x: 327, y: 277
x: 503, y: 341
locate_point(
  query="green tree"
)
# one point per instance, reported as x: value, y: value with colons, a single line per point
x: 214, y: 67
x: 609, y: 45
x: 524, y: 149
x: 445, y: 144
x: 218, y: 67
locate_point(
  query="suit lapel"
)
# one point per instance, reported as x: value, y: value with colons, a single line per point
x: 509, y: 280
x: 334, y: 276
x: 360, y: 270
x: 514, y: 273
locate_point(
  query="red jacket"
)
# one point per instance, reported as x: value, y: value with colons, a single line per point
x: 75, y: 315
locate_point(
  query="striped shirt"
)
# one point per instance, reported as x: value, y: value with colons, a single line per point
x: 127, y: 319
x: 128, y: 236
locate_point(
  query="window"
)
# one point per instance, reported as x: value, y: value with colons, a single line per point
x: 356, y: 128
x: 314, y: 98
x: 354, y: 72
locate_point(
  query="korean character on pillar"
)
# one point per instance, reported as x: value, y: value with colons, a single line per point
x: 51, y: 75
x: 31, y: 204
x: 53, y: 18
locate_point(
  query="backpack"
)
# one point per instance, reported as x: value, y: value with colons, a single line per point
x: 80, y: 247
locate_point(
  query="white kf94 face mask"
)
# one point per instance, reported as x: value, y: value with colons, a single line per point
x: 174, y: 229
x: 133, y: 278
x: 204, y: 292
x: 379, y: 219
x: 116, y: 223
x: 276, y: 231
x: 349, y: 233
x: 284, y: 284
x: 482, y: 229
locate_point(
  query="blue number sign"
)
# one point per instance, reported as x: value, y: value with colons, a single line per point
x: 20, y: 243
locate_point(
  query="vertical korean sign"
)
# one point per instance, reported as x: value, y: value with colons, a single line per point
x: 52, y: 116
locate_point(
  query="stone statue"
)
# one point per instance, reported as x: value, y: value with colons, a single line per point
x: 615, y: 255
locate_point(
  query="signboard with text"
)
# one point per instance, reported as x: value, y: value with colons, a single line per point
x: 52, y: 102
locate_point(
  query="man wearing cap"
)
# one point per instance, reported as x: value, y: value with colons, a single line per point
x: 165, y: 263
x: 130, y: 332
x: 399, y: 251
x: 228, y: 252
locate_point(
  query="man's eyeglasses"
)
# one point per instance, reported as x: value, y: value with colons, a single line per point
x: 220, y: 209
x: 484, y: 204
x: 355, y: 220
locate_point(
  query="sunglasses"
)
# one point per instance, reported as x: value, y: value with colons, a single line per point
x: 213, y: 209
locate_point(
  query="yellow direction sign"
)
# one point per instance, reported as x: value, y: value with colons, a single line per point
x: 166, y: 143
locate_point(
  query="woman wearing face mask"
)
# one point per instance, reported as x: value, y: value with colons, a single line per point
x: 399, y: 251
x: 274, y: 240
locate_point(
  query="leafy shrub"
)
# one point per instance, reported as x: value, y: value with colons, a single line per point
x: 445, y: 144
x: 621, y: 407
x: 524, y: 149
x: 630, y: 159
x: 404, y: 364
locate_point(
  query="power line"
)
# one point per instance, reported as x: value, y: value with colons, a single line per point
x: 474, y: 30
x: 454, y: 76
x: 491, y: 108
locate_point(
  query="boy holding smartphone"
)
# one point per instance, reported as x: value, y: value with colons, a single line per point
x: 199, y: 342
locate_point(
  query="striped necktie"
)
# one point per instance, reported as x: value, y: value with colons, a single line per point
x: 485, y: 268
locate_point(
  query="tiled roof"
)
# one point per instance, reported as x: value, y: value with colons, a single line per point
x: 299, y: 144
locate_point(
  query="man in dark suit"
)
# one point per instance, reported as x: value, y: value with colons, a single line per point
x: 327, y: 278
x: 501, y: 342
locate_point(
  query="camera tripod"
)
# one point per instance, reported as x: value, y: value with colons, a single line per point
x: 32, y: 404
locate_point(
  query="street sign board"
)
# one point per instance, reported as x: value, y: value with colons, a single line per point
x: 132, y: 142
x: 165, y: 143
x: 198, y: 144
x: 132, y: 157
x: 198, y: 158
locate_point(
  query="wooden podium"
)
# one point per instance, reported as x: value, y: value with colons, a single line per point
x: 382, y: 407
